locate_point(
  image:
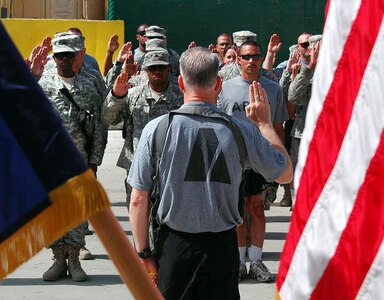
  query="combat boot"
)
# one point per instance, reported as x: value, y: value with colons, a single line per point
x: 74, y: 266
x: 269, y: 196
x: 59, y: 267
x: 287, y: 197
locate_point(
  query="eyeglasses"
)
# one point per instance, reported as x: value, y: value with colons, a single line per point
x: 61, y: 55
x: 142, y: 33
x: 256, y: 56
x: 304, y: 45
x: 159, y: 68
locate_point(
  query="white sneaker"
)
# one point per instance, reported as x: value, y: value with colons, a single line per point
x: 260, y: 272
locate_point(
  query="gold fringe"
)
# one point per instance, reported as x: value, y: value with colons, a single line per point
x: 277, y: 295
x: 72, y: 202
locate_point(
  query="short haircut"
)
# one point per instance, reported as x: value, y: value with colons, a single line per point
x: 75, y: 29
x: 249, y: 43
x: 224, y: 35
x: 199, y: 67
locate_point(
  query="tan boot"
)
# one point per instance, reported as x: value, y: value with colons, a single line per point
x: 85, y: 254
x: 287, y: 198
x: 59, y: 267
x: 74, y: 266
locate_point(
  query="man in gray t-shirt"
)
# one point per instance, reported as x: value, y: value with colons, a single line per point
x: 199, y: 178
x: 233, y: 100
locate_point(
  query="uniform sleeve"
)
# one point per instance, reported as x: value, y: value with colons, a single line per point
x: 113, y: 109
x: 299, y: 91
x: 285, y: 81
x: 112, y: 74
x: 97, y: 147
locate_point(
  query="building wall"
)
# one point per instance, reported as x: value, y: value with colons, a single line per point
x: 55, y: 9
x: 27, y: 33
x: 203, y: 20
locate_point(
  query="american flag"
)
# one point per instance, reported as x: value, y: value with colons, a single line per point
x: 334, y: 248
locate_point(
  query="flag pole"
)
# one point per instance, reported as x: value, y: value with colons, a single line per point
x: 124, y: 256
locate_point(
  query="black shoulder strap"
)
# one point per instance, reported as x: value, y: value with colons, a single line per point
x: 69, y: 97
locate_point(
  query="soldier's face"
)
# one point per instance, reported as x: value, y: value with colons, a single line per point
x: 64, y: 62
x: 223, y: 43
x: 250, y: 59
x: 158, y: 74
x: 302, y: 45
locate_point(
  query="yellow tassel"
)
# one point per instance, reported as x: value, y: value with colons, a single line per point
x: 72, y: 202
x: 277, y: 295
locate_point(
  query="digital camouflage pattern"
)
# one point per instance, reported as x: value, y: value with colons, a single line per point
x: 85, y: 95
x: 299, y: 93
x: 138, y: 108
x: 230, y: 71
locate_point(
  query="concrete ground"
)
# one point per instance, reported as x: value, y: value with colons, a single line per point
x: 103, y: 279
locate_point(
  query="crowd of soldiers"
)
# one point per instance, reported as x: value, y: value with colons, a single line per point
x: 142, y: 84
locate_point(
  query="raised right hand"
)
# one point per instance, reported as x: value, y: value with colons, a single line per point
x: 121, y: 86
x: 258, y: 110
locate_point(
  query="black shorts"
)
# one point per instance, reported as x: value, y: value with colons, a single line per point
x: 198, y: 266
x: 254, y: 183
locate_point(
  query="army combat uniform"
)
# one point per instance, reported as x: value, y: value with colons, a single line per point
x: 139, y: 107
x: 84, y: 94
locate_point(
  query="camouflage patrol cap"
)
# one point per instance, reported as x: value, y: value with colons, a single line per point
x: 67, y: 42
x: 155, y: 31
x: 313, y: 39
x: 156, y: 57
x: 240, y: 37
x: 154, y: 44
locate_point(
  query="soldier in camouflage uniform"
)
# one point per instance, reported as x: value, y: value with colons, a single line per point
x: 299, y: 93
x: 81, y: 69
x: 88, y: 139
x: 156, y: 32
x: 127, y: 58
x: 142, y: 103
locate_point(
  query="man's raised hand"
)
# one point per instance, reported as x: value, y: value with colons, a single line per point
x: 258, y: 110
x: 121, y: 86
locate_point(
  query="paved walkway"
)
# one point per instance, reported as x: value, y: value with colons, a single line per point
x: 103, y: 279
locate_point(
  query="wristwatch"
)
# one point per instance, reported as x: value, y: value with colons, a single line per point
x: 145, y: 253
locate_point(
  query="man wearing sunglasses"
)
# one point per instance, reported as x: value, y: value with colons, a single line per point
x: 302, y: 47
x: 72, y: 95
x: 232, y: 70
x: 232, y: 100
x: 139, y: 52
x: 142, y: 103
x: 299, y: 91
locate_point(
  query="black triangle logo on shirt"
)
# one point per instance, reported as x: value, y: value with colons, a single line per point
x: 199, y: 164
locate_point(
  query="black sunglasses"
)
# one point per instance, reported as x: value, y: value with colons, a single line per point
x: 142, y: 33
x: 305, y: 45
x: 61, y: 55
x: 160, y: 68
x: 253, y: 56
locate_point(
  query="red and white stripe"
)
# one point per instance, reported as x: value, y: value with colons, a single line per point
x: 334, y: 248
